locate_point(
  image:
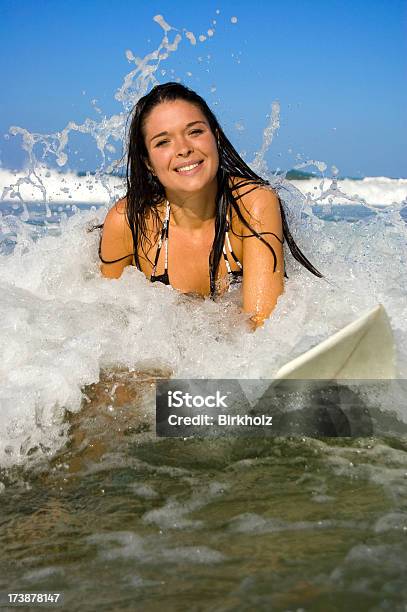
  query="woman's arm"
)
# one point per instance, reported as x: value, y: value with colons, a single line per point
x: 262, y: 285
x: 116, y: 242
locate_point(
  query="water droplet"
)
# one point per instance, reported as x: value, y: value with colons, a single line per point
x: 191, y: 37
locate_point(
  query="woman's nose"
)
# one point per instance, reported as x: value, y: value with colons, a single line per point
x: 184, y: 148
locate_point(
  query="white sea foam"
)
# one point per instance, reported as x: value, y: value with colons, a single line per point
x: 373, y: 190
x: 254, y: 523
x: 127, y: 544
x: 60, y: 187
x: 69, y: 188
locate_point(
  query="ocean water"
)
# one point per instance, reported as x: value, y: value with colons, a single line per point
x: 94, y: 505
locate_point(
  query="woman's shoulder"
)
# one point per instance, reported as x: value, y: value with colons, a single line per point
x: 117, y: 215
x: 258, y: 202
x: 116, y: 225
x: 249, y: 190
x: 118, y: 218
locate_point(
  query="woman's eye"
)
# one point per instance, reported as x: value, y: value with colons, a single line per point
x: 197, y: 131
x: 161, y: 142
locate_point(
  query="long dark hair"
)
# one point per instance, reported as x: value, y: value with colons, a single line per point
x: 145, y: 192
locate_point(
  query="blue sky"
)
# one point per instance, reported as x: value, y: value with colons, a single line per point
x: 338, y: 70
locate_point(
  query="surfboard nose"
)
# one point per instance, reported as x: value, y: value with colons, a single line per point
x: 362, y: 350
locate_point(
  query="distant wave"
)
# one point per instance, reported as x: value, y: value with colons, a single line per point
x: 75, y: 187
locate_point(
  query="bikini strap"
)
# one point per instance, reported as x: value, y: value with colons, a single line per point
x: 163, y: 238
x: 228, y: 268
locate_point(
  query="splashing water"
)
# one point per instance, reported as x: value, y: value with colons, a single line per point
x: 63, y: 323
x: 259, y: 164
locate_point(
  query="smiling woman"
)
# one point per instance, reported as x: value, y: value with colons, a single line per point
x: 195, y: 216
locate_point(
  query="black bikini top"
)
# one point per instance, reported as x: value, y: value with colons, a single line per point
x: 234, y: 275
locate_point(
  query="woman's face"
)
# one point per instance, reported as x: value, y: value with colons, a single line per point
x: 181, y: 147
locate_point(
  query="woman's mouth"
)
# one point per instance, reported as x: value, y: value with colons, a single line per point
x: 188, y: 169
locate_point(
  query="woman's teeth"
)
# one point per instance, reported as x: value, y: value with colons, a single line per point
x: 187, y: 168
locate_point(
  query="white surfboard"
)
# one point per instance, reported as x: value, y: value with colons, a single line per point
x: 363, y: 350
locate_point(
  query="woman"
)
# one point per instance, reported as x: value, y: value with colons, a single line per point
x: 195, y: 215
